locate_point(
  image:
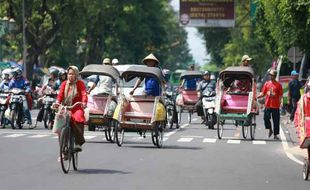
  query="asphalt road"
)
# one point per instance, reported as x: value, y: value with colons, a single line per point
x: 192, y: 158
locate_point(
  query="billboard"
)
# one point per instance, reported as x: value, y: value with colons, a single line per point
x: 207, y: 13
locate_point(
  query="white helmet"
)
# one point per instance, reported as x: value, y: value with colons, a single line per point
x: 114, y: 61
x: 6, y: 74
x: 166, y: 72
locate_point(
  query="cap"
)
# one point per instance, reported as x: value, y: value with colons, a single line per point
x: 114, y: 61
x: 294, y: 73
x: 273, y: 72
x: 106, y: 61
x: 246, y: 57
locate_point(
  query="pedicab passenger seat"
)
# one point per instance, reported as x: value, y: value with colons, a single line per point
x: 190, y: 97
x: 234, y: 103
x: 140, y: 107
x: 97, y: 104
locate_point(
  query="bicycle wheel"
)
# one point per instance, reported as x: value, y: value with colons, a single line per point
x: 106, y: 133
x: 74, y: 154
x: 119, y: 133
x: 159, y: 135
x: 219, y: 128
x: 253, y: 127
x: 65, y: 153
x: 244, y: 130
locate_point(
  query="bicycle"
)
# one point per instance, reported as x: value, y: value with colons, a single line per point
x: 67, y: 141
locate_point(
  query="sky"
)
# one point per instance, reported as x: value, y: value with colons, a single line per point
x: 194, y: 40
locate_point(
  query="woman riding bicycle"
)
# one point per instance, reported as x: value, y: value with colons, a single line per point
x: 71, y: 91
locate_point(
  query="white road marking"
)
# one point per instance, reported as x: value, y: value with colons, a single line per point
x: 55, y: 137
x: 89, y: 137
x: 195, y: 119
x: 174, y: 131
x: 165, y: 138
x: 38, y: 136
x: 259, y: 142
x: 233, y: 141
x: 190, y: 136
x: 285, y: 147
x: 14, y: 135
x: 185, y: 139
x: 208, y: 140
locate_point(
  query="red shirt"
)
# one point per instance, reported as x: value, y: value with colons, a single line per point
x: 78, y: 111
x: 274, y: 88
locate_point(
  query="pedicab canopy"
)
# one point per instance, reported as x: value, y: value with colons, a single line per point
x: 96, y: 69
x: 191, y: 74
x: 236, y: 73
x: 143, y: 71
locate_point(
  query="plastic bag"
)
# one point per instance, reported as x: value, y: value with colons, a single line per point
x: 61, y: 119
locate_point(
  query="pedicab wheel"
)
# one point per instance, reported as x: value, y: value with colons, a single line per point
x: 65, y: 156
x: 106, y: 133
x: 305, y: 171
x: 190, y: 117
x: 74, y: 154
x: 219, y: 128
x: 119, y: 133
x: 111, y: 132
x: 244, y: 130
x: 159, y: 134
x: 179, y: 114
x: 253, y: 127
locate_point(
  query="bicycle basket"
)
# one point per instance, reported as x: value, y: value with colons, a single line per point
x: 61, y: 119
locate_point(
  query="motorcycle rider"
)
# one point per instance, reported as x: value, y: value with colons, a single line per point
x: 205, y: 87
x: 21, y: 82
x: 62, y: 76
x: 6, y: 78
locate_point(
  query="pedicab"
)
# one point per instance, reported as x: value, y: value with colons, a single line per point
x: 101, y: 107
x: 140, y: 113
x: 302, y: 124
x: 187, y: 98
x: 236, y: 100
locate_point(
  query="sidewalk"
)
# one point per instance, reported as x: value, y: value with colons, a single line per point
x: 291, y: 136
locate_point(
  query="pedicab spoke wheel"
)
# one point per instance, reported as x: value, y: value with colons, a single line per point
x: 219, y: 127
x: 159, y: 134
x: 74, y: 154
x: 65, y: 155
x: 244, y: 130
x: 111, y: 131
x: 253, y: 127
x: 119, y: 133
x: 306, y: 169
x: 190, y: 117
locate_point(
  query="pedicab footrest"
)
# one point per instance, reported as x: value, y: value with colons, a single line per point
x: 138, y: 115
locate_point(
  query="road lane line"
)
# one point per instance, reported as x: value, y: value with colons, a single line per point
x: 87, y: 137
x: 165, y: 139
x: 190, y: 136
x: 286, y: 147
x: 185, y: 139
x: 195, y: 119
x: 174, y: 131
x: 208, y: 140
x: 259, y: 142
x: 14, y: 135
x: 234, y: 141
x: 38, y: 136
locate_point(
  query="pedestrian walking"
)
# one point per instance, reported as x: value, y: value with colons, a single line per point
x: 273, y: 92
x: 294, y: 87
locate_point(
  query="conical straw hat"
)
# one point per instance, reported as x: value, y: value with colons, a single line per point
x: 150, y: 57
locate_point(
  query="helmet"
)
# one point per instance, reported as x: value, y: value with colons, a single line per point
x: 6, y: 74
x: 17, y: 72
x: 114, y: 61
x: 166, y: 72
x: 294, y: 73
x: 206, y: 73
x: 62, y: 72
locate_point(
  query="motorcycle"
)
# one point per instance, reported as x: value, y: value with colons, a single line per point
x: 17, y: 115
x: 47, y: 114
x: 4, y: 103
x: 170, y: 108
x: 208, y: 102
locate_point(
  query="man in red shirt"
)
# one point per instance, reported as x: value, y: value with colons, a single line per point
x: 273, y: 92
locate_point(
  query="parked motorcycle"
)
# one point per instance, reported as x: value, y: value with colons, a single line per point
x: 17, y: 116
x: 170, y: 109
x: 4, y: 103
x: 208, y: 102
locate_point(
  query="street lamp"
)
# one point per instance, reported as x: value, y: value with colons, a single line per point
x: 6, y: 25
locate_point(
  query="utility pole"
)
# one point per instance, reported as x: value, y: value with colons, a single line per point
x: 24, y: 42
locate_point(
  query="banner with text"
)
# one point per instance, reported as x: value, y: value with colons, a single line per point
x: 207, y: 13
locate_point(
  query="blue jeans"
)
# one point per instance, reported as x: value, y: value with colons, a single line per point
x: 275, y: 114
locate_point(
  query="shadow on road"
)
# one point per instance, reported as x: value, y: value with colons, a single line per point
x: 99, y: 171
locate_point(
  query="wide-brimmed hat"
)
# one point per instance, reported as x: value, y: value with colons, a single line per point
x: 150, y: 57
x: 273, y: 72
x: 246, y: 57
